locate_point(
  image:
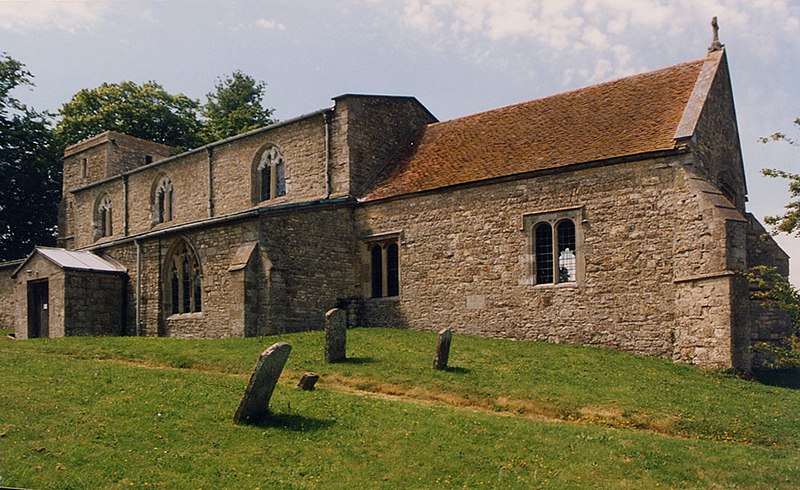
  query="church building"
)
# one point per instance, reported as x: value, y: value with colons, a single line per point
x: 612, y: 215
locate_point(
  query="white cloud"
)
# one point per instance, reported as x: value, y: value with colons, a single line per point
x: 270, y: 24
x: 70, y: 16
x: 423, y: 16
x: 595, y: 38
x: 602, y: 38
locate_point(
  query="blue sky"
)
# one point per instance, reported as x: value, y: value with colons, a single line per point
x: 456, y: 57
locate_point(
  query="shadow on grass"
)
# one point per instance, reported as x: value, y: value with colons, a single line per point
x: 458, y: 370
x: 357, y: 360
x: 783, y: 378
x: 295, y: 422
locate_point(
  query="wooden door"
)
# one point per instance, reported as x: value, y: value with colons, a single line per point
x: 38, y: 309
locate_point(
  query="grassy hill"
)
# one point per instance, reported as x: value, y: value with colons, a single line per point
x: 145, y: 412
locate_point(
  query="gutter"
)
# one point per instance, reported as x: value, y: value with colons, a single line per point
x: 328, y: 157
x: 138, y: 288
x: 678, y: 150
x: 210, y: 187
x: 266, y: 210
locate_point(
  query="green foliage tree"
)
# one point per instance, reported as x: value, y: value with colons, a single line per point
x: 774, y: 290
x: 146, y: 111
x: 236, y: 106
x: 789, y: 221
x: 771, y: 288
x: 30, y: 170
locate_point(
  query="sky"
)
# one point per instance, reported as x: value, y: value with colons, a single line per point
x: 456, y: 57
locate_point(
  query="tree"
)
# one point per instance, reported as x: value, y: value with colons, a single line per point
x: 146, y: 111
x: 789, y: 222
x: 30, y: 170
x: 771, y: 288
x: 774, y: 290
x: 235, y: 107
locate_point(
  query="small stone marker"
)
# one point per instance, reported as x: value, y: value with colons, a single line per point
x: 335, y: 335
x: 255, y: 402
x: 443, y: 349
x: 308, y: 381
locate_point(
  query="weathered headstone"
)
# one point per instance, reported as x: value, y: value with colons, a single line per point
x: 443, y: 349
x: 255, y: 402
x: 307, y: 381
x: 335, y: 335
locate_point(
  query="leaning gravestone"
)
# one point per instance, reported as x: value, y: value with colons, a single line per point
x: 255, y: 402
x: 443, y: 349
x: 335, y: 335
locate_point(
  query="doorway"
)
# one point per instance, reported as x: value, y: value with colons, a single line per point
x: 38, y: 309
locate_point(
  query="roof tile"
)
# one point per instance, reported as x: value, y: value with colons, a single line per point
x: 629, y: 116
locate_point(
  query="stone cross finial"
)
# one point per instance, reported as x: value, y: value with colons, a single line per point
x: 715, y: 44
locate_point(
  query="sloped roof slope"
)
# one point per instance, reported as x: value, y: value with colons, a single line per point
x: 76, y: 260
x: 629, y: 116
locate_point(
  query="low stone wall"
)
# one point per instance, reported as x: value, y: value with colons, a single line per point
x: 8, y: 297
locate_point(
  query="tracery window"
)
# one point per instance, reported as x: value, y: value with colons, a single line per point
x: 271, y: 174
x: 384, y: 265
x: 554, y: 243
x: 103, y: 222
x: 162, y: 210
x: 184, y: 280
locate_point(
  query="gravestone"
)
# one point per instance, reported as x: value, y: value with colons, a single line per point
x: 443, y: 349
x: 307, y: 381
x: 335, y: 335
x: 255, y: 402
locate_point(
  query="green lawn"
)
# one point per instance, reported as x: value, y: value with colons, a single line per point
x: 143, y: 412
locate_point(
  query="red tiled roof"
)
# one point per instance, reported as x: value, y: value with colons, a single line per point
x: 624, y: 117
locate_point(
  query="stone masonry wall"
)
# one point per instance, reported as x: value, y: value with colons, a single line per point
x: 84, y: 205
x: 716, y: 139
x: 302, y: 144
x: 767, y: 324
x: 314, y: 263
x: 214, y: 247
x: 464, y: 258
x: 379, y: 129
x: 41, y: 268
x: 305, y: 265
x: 8, y: 297
x: 189, y: 193
x: 93, y: 303
x: 708, y: 249
x: 127, y: 153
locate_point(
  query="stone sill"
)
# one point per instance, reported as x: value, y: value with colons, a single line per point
x: 385, y: 299
x: 185, y: 316
x: 568, y: 285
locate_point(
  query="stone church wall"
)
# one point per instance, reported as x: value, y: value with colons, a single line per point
x: 304, y: 267
x: 314, y: 263
x: 93, y: 303
x: 464, y: 258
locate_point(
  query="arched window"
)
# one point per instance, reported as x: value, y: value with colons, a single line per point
x: 184, y: 280
x: 384, y: 264
x: 103, y: 223
x: 270, y: 175
x: 162, y: 208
